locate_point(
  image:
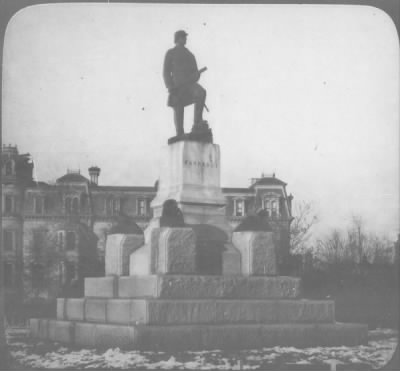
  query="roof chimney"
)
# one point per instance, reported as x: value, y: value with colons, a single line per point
x: 94, y: 173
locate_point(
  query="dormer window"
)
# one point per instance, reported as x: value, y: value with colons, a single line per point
x: 267, y: 206
x: 239, y: 207
x: 271, y: 206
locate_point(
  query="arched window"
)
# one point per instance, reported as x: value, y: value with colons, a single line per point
x: 70, y: 240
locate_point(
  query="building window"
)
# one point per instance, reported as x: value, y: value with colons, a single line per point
x: 9, y: 168
x: 239, y: 207
x: 39, y: 205
x: 38, y: 242
x: 60, y: 240
x: 68, y: 205
x: 271, y: 206
x: 141, y: 207
x: 274, y: 208
x: 9, y: 204
x: 70, y: 241
x: 115, y: 206
x: 75, y: 205
x: 8, y: 274
x: 72, y: 205
x: 8, y: 240
x: 71, y: 272
x: 267, y: 206
x: 61, y: 272
x: 37, y: 275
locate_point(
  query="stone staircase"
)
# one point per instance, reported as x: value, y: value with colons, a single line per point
x: 188, y: 312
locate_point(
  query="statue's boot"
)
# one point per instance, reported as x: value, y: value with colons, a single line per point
x: 178, y: 119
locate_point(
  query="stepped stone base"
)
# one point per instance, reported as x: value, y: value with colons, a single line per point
x: 203, y: 311
x: 196, y: 337
x: 193, y: 287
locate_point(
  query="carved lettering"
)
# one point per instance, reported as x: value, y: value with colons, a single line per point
x: 200, y: 164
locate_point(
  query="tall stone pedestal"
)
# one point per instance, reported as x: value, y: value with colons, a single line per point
x: 190, y: 174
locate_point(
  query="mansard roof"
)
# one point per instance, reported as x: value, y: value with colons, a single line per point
x: 268, y: 181
x: 236, y: 190
x: 72, y: 178
x: 126, y: 188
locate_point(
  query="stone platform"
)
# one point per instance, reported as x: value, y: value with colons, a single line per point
x: 159, y: 312
x: 193, y: 287
x: 198, y: 337
x: 194, y: 284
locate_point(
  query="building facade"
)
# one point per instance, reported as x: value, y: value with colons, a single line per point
x: 53, y: 235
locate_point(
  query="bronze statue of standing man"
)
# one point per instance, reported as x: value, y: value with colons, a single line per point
x: 181, y: 75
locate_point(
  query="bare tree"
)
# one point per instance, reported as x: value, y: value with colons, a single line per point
x: 333, y: 247
x: 356, y: 238
x: 304, y: 217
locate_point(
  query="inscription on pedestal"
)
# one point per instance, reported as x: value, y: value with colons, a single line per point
x: 200, y: 164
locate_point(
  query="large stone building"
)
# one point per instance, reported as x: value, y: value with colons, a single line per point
x: 54, y: 234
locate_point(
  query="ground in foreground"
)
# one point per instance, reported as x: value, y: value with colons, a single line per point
x: 38, y: 355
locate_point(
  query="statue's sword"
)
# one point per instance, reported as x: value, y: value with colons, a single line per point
x: 201, y: 70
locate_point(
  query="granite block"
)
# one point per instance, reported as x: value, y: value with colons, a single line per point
x: 258, y: 252
x: 126, y: 311
x: 176, y: 251
x: 118, y: 249
x: 85, y: 335
x: 137, y: 286
x: 60, y: 313
x: 102, y: 287
x: 75, y: 309
x: 61, y: 331
x: 96, y: 310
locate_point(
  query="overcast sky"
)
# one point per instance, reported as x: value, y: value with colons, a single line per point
x: 308, y: 92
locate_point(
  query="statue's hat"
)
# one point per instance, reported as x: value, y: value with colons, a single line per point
x: 180, y: 33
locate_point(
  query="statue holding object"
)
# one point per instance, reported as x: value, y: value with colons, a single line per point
x: 181, y: 77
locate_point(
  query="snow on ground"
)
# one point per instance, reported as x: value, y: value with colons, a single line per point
x: 34, y: 354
